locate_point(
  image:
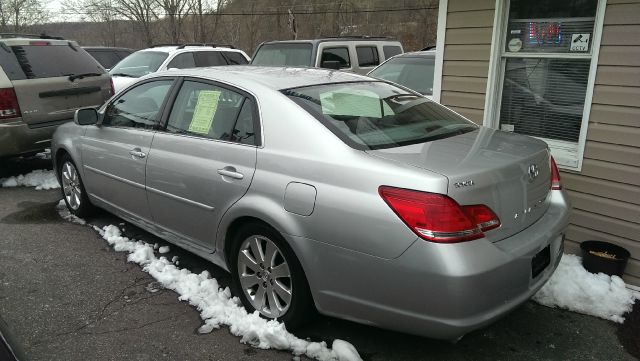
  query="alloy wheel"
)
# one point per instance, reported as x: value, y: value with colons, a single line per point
x: 71, y: 185
x: 264, y: 275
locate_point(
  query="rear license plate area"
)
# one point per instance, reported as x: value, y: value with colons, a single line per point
x: 540, y: 261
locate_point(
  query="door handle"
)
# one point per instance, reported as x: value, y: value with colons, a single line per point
x: 230, y: 172
x: 137, y: 153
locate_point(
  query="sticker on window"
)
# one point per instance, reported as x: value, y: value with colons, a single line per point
x: 580, y: 42
x: 204, y: 111
x: 352, y: 103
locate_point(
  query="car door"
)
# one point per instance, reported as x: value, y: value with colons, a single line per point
x: 115, y: 152
x: 203, y: 161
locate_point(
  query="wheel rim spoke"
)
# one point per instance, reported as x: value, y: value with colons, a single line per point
x: 71, y: 186
x: 280, y: 271
x: 259, y: 299
x: 282, y: 291
x: 256, y: 248
x: 274, y: 305
x: 248, y: 262
x: 248, y: 281
x: 269, y: 254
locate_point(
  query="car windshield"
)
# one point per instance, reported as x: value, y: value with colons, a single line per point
x: 283, y: 54
x: 375, y: 115
x: 139, y: 64
x: 414, y: 72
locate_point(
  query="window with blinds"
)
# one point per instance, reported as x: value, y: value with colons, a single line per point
x: 546, y: 60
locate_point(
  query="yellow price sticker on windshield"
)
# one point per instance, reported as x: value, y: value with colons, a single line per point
x: 204, y: 111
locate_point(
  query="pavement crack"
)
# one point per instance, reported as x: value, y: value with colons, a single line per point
x: 173, y: 317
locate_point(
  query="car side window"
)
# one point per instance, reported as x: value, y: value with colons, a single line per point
x: 367, y: 56
x: 209, y: 58
x: 391, y: 50
x: 182, y: 61
x: 235, y: 58
x: 210, y: 111
x: 138, y: 107
x: 337, y: 54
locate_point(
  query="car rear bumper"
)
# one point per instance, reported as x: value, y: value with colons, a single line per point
x: 436, y: 290
x: 17, y: 138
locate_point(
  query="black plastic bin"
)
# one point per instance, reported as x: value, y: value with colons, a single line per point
x: 596, y: 264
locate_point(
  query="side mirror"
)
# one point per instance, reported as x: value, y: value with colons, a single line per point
x: 86, y: 116
x: 330, y: 64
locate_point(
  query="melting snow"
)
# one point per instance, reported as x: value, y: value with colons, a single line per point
x: 218, y: 308
x: 39, y: 178
x: 574, y: 288
x: 64, y: 212
x: 163, y: 249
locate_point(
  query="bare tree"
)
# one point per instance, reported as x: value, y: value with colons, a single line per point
x: 142, y: 12
x: 99, y: 11
x: 175, y: 12
x: 18, y: 15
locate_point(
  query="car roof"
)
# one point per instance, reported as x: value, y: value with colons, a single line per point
x: 422, y: 54
x: 276, y: 78
x: 177, y: 49
x: 99, y: 47
x: 336, y: 39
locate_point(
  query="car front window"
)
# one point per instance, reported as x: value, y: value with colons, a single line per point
x: 376, y: 115
x: 415, y: 73
x: 139, y: 64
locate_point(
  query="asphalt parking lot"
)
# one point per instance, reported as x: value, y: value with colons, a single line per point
x: 68, y: 296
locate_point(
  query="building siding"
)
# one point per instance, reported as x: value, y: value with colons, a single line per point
x: 605, y: 194
x: 466, y: 56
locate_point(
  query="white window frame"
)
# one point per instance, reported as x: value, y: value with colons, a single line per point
x: 568, y: 155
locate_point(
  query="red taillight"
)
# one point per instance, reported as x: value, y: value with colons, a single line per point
x: 9, y: 107
x: 438, y: 218
x: 113, y: 88
x: 483, y: 216
x: 555, y: 175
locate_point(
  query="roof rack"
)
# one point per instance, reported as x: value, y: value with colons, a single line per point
x: 430, y: 47
x: 31, y: 36
x: 182, y: 46
x: 359, y: 37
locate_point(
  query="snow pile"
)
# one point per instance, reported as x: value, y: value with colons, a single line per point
x: 39, y: 178
x: 163, y: 249
x: 64, y: 212
x: 217, y: 307
x: 574, y: 288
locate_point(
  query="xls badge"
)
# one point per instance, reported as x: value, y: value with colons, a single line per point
x: 533, y: 172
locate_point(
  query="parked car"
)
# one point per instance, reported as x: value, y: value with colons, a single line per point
x: 325, y: 189
x: 42, y: 82
x: 413, y: 70
x: 349, y: 53
x: 165, y: 57
x: 10, y: 350
x: 108, y: 56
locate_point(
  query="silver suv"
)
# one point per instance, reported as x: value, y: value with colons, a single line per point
x: 43, y: 80
x: 349, y: 53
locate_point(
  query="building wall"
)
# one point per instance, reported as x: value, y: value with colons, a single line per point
x: 466, y: 56
x: 605, y: 194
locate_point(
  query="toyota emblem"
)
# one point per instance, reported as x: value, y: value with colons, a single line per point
x: 533, y: 172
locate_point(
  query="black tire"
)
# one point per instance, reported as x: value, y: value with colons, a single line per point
x: 85, y: 207
x: 301, y: 308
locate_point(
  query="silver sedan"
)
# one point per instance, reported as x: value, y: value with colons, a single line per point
x: 328, y: 191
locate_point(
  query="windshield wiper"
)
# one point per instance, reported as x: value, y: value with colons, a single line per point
x: 73, y: 77
x: 124, y: 74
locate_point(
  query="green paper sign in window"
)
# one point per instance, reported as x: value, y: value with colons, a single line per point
x: 204, y: 111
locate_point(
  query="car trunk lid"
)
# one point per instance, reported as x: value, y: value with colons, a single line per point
x: 507, y: 172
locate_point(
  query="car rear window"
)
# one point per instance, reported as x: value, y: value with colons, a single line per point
x: 140, y: 63
x: 35, y: 61
x: 415, y: 73
x: 235, y: 58
x: 283, y: 54
x: 209, y: 58
x: 391, y: 50
x: 376, y: 115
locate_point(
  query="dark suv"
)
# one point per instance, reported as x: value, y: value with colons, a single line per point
x: 43, y: 80
x: 108, y: 56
